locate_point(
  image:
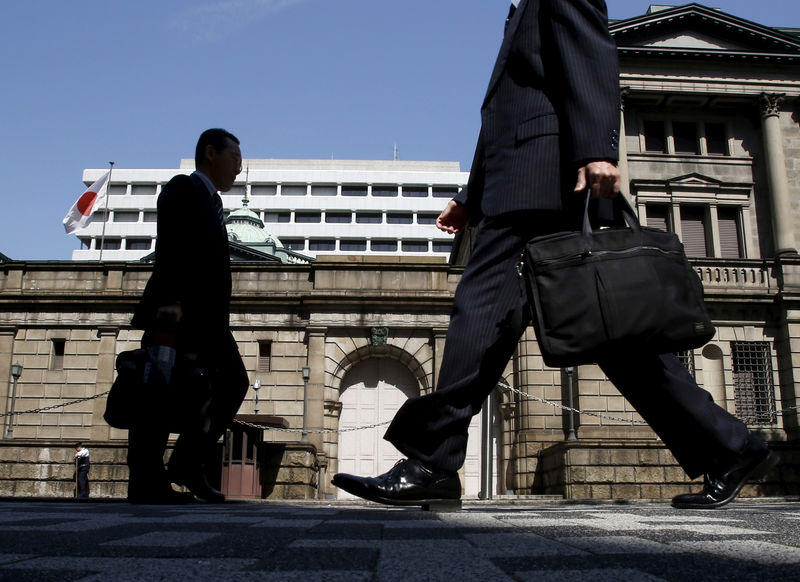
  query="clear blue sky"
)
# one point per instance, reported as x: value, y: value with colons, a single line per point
x: 89, y: 81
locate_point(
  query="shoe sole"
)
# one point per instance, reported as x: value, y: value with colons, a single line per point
x: 755, y: 473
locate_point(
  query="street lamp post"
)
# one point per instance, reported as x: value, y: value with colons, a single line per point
x: 306, y: 375
x: 571, y: 433
x: 16, y: 372
x: 256, y: 386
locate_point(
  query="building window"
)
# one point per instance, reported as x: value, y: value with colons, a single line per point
x: 383, y: 246
x: 264, y: 356
x: 86, y: 243
x: 386, y: 191
x: 354, y: 190
x: 112, y: 244
x: 99, y: 215
x: 117, y: 189
x: 307, y: 217
x: 414, y: 246
x: 143, y: 189
x: 399, y: 218
x: 126, y: 216
x: 754, y: 392
x: 294, y: 244
x: 294, y: 190
x: 444, y: 246
x: 655, y: 139
x: 369, y: 217
x: 277, y: 217
x: 263, y: 190
x: 339, y: 217
x: 355, y: 245
x: 445, y: 191
x: 729, y: 233
x: 693, y: 231
x: 684, y: 134
x: 427, y: 217
x: 57, y: 353
x: 716, y: 139
x: 686, y: 358
x: 322, y: 245
x: 150, y: 216
x: 658, y: 217
x: 415, y: 191
x: 323, y: 189
x: 138, y: 244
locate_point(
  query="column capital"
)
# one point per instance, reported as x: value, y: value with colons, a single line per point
x: 770, y: 104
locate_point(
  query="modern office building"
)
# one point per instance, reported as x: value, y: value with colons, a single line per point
x: 331, y: 207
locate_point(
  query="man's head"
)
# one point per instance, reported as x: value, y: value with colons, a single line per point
x: 78, y: 446
x: 217, y: 155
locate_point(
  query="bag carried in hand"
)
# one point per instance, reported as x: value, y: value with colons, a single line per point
x: 142, y: 397
x: 596, y: 292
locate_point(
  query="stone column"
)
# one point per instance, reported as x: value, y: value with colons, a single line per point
x: 625, y: 176
x: 7, y: 335
x: 315, y: 399
x: 439, y: 335
x: 780, y: 199
x: 106, y: 359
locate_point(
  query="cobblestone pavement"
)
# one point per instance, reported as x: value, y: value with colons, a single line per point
x: 105, y: 540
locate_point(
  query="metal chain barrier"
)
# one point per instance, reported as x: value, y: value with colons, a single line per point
x: 379, y: 424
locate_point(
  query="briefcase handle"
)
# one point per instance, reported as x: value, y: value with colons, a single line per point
x: 620, y: 201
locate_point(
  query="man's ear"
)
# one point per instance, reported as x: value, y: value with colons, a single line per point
x: 209, y: 154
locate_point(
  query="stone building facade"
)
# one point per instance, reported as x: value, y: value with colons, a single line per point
x: 711, y: 151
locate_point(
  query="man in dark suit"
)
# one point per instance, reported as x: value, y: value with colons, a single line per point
x: 187, y: 302
x: 549, y: 131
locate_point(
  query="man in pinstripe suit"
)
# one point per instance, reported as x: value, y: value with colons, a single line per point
x: 549, y: 131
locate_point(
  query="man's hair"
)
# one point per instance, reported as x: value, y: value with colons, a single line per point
x: 78, y: 445
x: 214, y: 137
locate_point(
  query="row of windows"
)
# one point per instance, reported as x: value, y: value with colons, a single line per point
x: 297, y: 244
x: 685, y: 137
x: 331, y: 216
x: 346, y: 217
x: 388, y: 190
x: 361, y: 245
x: 695, y: 230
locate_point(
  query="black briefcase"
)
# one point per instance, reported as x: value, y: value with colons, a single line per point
x: 178, y: 405
x: 593, y: 292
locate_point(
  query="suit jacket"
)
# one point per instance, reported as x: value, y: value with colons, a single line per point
x: 552, y: 104
x: 192, y: 265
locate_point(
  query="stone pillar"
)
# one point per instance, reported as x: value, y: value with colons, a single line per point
x: 625, y: 176
x: 315, y: 399
x: 439, y: 335
x: 780, y: 199
x: 7, y: 335
x: 106, y: 360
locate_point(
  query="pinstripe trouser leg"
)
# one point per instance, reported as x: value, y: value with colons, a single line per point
x: 490, y: 314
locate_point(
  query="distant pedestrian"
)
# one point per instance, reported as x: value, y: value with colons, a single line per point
x: 81, y: 470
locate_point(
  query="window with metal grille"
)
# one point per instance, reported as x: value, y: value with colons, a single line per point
x: 658, y: 216
x: 687, y: 359
x: 264, y: 356
x: 754, y: 392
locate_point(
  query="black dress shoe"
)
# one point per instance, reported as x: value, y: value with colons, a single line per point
x: 196, y: 482
x: 409, y: 482
x: 721, y: 489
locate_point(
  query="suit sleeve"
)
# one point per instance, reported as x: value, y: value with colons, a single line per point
x: 582, y: 63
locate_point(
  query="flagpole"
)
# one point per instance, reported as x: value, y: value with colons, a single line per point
x: 105, y: 211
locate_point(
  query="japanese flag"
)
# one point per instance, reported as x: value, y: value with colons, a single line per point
x: 80, y: 214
